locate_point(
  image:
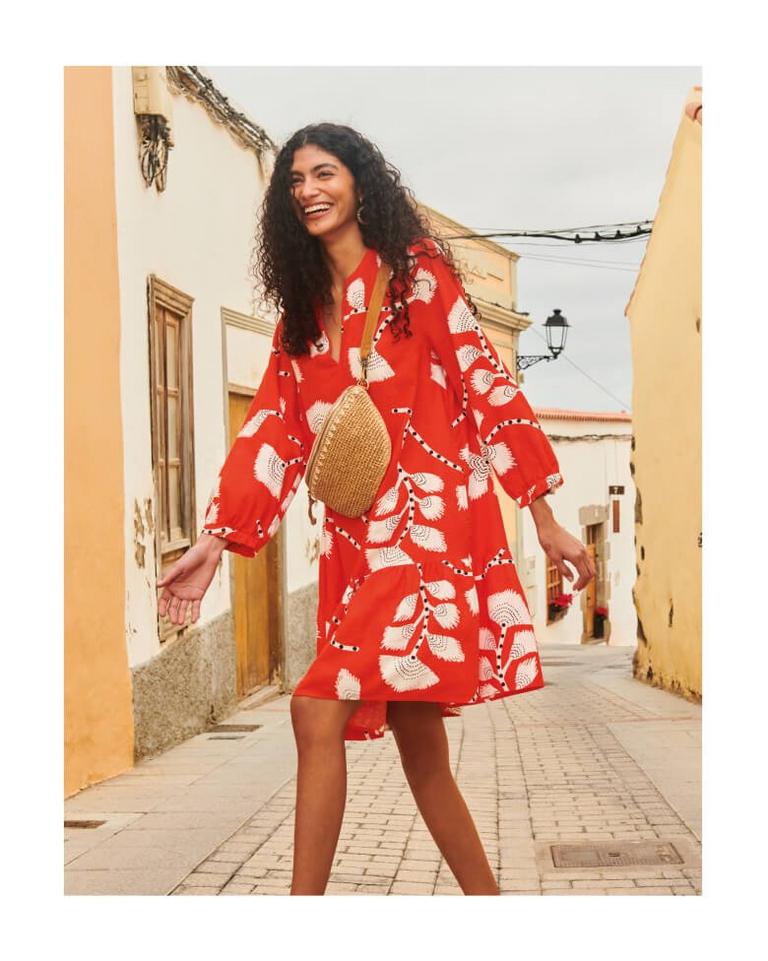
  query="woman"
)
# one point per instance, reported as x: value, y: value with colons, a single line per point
x: 420, y: 607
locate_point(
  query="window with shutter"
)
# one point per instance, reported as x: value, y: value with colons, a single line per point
x: 170, y: 361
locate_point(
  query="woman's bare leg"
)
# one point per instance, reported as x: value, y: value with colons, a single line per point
x: 321, y: 788
x: 420, y: 735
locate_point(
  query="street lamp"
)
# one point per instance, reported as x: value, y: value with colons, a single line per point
x: 556, y: 327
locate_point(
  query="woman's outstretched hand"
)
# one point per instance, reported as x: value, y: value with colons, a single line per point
x: 560, y: 546
x: 186, y: 581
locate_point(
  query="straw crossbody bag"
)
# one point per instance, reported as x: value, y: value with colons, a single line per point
x: 352, y: 449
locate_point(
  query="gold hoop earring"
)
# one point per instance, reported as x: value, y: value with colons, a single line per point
x: 358, y: 214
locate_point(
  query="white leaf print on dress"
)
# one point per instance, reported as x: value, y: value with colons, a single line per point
x: 482, y: 380
x: 477, y: 484
x: 297, y: 371
x: 467, y: 355
x: 387, y: 502
x: 398, y: 638
x: 460, y: 318
x: 442, y: 590
x: 486, y: 671
x: 432, y: 507
x: 487, y: 640
x: 429, y: 483
x: 250, y: 427
x: 381, y: 531
x: 356, y: 294
x: 386, y: 557
x: 508, y: 607
x: 461, y: 497
x: 378, y: 368
x: 347, y: 686
x: 526, y: 673
x: 404, y: 674
x: 316, y: 415
x: 502, y: 395
x: 445, y: 647
x: 423, y: 286
x: 524, y: 643
x: 447, y: 615
x: 499, y: 456
x: 472, y: 599
x: 269, y: 468
x: 406, y: 608
x: 428, y: 538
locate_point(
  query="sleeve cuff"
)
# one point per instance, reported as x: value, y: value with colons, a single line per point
x: 542, y: 487
x: 236, y: 541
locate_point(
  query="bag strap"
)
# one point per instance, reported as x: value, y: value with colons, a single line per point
x: 374, y: 309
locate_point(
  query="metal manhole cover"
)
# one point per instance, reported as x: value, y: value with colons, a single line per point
x: 231, y: 728
x: 608, y: 854
x: 83, y: 824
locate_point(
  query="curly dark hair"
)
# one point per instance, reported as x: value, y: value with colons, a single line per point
x: 289, y: 264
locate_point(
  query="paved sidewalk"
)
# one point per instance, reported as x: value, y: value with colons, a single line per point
x: 593, y: 756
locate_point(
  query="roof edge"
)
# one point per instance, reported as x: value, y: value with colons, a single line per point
x: 557, y: 413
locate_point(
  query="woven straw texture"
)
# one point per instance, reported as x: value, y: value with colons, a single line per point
x: 350, y: 455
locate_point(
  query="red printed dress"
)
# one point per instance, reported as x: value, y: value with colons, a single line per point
x: 419, y: 599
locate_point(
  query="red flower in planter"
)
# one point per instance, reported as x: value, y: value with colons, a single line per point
x: 563, y: 601
x: 601, y: 611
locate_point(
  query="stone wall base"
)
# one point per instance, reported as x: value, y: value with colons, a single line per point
x: 190, y: 684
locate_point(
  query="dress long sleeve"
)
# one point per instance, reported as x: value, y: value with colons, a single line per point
x: 510, y: 435
x: 265, y: 464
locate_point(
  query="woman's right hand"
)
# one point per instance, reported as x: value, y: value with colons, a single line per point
x: 186, y: 581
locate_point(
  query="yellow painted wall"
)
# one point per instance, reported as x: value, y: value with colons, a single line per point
x: 98, y: 715
x: 665, y: 320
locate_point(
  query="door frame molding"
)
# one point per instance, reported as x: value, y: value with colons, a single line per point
x: 265, y: 328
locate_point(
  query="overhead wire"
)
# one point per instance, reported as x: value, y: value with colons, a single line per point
x: 624, y: 404
x: 606, y: 238
x: 639, y: 234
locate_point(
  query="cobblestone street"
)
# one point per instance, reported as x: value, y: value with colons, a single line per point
x: 593, y: 756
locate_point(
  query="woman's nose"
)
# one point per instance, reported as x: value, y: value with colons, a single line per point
x: 305, y: 193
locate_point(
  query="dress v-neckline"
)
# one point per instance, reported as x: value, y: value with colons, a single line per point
x: 335, y: 360
x: 355, y: 273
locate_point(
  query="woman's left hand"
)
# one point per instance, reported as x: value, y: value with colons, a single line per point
x: 560, y: 546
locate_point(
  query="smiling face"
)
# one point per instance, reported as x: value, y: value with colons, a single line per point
x: 323, y: 191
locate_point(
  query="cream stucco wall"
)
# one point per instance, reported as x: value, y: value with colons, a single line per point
x: 665, y: 321
x: 593, y: 456
x: 198, y: 236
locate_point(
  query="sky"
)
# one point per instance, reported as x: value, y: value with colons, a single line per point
x: 515, y: 148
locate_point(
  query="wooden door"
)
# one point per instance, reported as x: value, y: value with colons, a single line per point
x: 591, y: 595
x: 256, y: 606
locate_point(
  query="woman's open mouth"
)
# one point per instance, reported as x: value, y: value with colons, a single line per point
x: 316, y: 211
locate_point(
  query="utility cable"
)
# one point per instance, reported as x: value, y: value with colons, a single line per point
x: 597, y: 383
